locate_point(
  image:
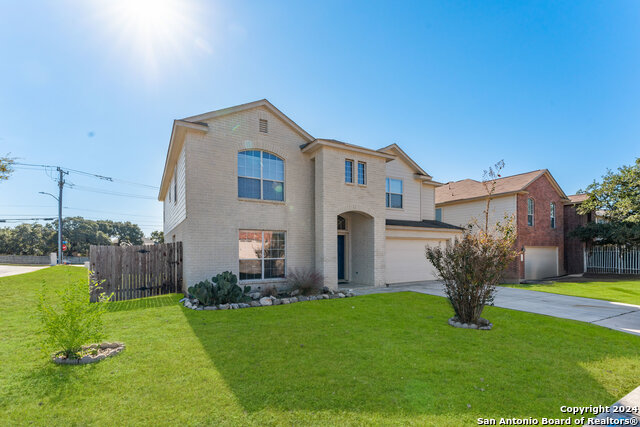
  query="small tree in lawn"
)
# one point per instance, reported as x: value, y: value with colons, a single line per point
x: 473, y: 265
x: 74, y: 321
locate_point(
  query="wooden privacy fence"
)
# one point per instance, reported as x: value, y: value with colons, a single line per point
x: 612, y: 259
x: 137, y: 271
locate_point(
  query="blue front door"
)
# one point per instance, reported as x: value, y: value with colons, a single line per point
x: 341, y: 257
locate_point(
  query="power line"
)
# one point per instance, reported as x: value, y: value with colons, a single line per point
x: 34, y: 166
x: 111, y: 193
x: 82, y: 209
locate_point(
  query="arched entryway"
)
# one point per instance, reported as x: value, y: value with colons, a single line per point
x: 355, y: 248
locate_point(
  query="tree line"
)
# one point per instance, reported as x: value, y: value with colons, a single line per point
x: 78, y: 232
x: 616, y: 198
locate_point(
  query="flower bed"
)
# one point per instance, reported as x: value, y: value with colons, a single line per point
x: 266, y: 301
x: 91, y: 354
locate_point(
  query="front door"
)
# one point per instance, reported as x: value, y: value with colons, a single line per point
x: 341, y: 257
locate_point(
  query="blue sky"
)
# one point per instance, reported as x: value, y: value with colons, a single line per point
x: 95, y: 85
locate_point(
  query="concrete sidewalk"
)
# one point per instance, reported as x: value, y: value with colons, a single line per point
x: 613, y: 315
x: 11, y: 270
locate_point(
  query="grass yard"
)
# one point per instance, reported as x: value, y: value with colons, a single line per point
x: 627, y: 291
x: 379, y: 359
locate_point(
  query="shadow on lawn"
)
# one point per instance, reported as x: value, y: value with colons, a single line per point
x: 142, y: 303
x: 395, y: 354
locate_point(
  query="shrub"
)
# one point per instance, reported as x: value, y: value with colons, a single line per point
x: 305, y: 281
x: 269, y: 291
x: 224, y: 290
x: 472, y: 266
x: 75, y: 321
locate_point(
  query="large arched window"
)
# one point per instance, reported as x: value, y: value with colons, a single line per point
x: 260, y: 175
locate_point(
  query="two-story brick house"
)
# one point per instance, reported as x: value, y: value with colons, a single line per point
x: 248, y: 190
x: 534, y: 199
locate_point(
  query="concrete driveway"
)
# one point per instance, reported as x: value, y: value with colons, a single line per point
x: 613, y: 315
x: 11, y: 270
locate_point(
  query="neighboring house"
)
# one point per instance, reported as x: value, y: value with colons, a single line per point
x: 573, y: 247
x: 248, y: 190
x: 536, y: 202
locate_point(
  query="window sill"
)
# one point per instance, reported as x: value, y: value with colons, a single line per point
x: 270, y: 202
x: 258, y: 281
x: 349, y: 183
x: 362, y: 185
x: 395, y: 209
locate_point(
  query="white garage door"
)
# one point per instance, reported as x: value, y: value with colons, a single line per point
x: 405, y: 261
x: 540, y: 262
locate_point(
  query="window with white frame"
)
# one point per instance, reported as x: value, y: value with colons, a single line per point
x: 348, y: 171
x: 260, y: 175
x: 530, y: 211
x: 552, y: 212
x: 394, y: 193
x: 261, y: 254
x: 362, y: 173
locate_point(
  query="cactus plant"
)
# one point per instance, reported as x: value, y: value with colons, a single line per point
x: 223, y: 290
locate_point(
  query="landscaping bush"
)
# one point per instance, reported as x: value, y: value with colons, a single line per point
x: 74, y: 321
x: 305, y: 281
x: 223, y: 290
x: 269, y: 291
x: 472, y: 266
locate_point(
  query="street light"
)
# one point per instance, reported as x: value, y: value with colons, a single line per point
x: 59, y: 200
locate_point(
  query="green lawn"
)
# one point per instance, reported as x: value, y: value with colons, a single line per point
x: 379, y: 359
x: 627, y: 291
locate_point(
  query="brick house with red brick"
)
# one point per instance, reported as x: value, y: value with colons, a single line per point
x: 535, y: 200
x: 573, y: 247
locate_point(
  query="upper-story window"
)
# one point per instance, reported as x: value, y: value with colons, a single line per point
x: 260, y: 175
x: 552, y: 212
x: 438, y: 214
x: 530, y: 210
x: 362, y: 173
x: 175, y: 191
x: 394, y: 193
x: 348, y: 171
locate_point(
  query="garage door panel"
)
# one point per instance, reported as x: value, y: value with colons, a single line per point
x: 540, y: 262
x: 405, y: 261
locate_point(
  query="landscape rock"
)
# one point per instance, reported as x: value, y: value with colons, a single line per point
x: 211, y: 307
x: 234, y: 306
x: 183, y: 299
x: 255, y: 304
x: 223, y: 307
x: 341, y: 295
x: 303, y: 298
x: 266, y: 301
x: 277, y: 301
x: 255, y: 295
x: 285, y: 301
x: 243, y: 305
x: 324, y: 296
x: 294, y: 299
x: 295, y: 292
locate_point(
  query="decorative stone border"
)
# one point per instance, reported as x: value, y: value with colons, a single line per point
x: 194, y: 304
x: 484, y: 327
x: 104, y: 350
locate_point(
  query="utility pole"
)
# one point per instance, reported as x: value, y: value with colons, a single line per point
x: 60, y: 186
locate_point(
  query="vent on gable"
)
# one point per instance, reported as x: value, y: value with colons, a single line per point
x: 264, y: 126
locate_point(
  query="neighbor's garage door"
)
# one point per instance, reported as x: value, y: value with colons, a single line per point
x: 405, y: 261
x: 540, y: 262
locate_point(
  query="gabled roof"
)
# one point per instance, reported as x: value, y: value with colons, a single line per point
x: 242, y: 107
x: 317, y: 143
x: 578, y: 198
x: 400, y: 153
x: 470, y: 189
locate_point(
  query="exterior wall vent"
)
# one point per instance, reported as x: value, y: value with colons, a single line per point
x: 264, y: 126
